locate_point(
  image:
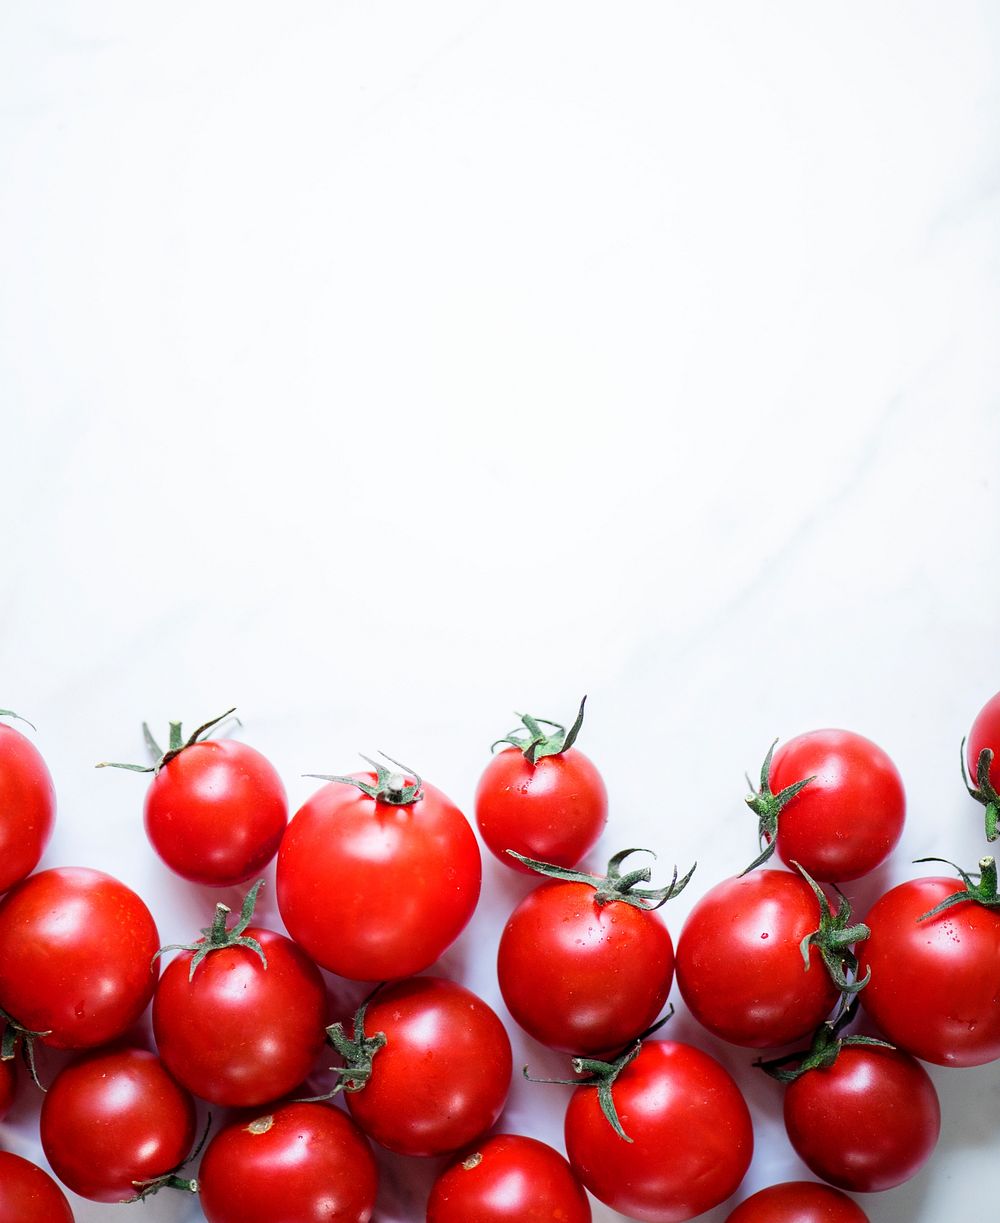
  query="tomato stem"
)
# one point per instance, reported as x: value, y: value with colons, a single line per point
x: 834, y: 939
x: 982, y: 893
x: 390, y: 785
x: 177, y: 744
x: 767, y: 806
x: 601, y: 1075
x: 614, y: 885
x: 170, y: 1179
x: 983, y: 791
x: 16, y: 1035
x: 218, y: 935
x: 537, y: 743
x: 9, y: 713
x: 824, y: 1049
x: 358, y: 1052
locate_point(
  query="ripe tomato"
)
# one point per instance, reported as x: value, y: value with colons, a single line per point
x: 76, y: 947
x: 541, y: 796
x: 798, y: 1202
x: 113, y: 1120
x: 302, y: 1163
x: 508, y: 1179
x: 377, y: 876
x: 984, y: 737
x: 27, y: 806
x: 29, y: 1195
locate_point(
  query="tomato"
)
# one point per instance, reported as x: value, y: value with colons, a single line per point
x: 846, y: 819
x: 691, y: 1134
x: 29, y: 1195
x: 508, y: 1179
x: 8, y: 1086
x: 76, y: 948
x: 798, y: 1202
x: 377, y: 876
x: 27, y: 806
x: 440, y: 1079
x: 113, y: 1120
x: 302, y: 1163
x: 984, y: 737
x: 541, y: 797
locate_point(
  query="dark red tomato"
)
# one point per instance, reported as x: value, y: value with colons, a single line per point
x: 27, y: 806
x: 985, y: 733
x: 739, y: 966
x: 303, y: 1163
x: 509, y: 1179
x: 798, y: 1202
x: 443, y: 1076
x: 692, y: 1138
x: 868, y: 1122
x: 935, y: 984
x: 29, y: 1195
x: 237, y: 1033
x: 375, y: 890
x: 8, y: 1086
x: 113, y: 1120
x: 76, y: 949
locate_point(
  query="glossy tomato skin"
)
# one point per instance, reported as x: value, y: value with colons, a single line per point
x: 302, y: 1163
x: 443, y: 1076
x: 508, y: 1179
x: 29, y: 1195
x: 692, y: 1138
x: 27, y: 806
x: 76, y: 956
x: 868, y: 1122
x: 582, y: 977
x: 985, y: 732
x: 933, y: 988
x: 216, y: 813
x: 236, y: 1033
x: 739, y: 966
x: 798, y: 1202
x: 552, y: 811
x: 113, y: 1118
x: 846, y: 821
x: 375, y: 891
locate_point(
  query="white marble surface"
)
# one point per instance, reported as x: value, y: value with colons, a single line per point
x: 381, y: 368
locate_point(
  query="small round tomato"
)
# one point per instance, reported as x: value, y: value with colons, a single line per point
x: 29, y: 1195
x: 508, y: 1179
x: 302, y: 1162
x: 798, y: 1202
x: 27, y: 806
x: 8, y: 1086
x: 76, y: 949
x: 114, y: 1120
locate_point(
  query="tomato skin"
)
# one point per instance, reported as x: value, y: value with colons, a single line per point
x: 76, y: 956
x: 375, y: 891
x: 508, y: 1179
x: 847, y: 821
x: 559, y: 954
x: 443, y: 1076
x: 239, y: 1034
x: 27, y: 806
x: 112, y: 1118
x: 933, y: 989
x: 552, y: 811
x: 692, y: 1138
x: 868, y: 1122
x: 739, y: 967
x: 304, y: 1163
x: 798, y: 1202
x: 29, y: 1195
x: 985, y: 732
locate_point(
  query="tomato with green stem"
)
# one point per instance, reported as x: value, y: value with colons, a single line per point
x: 29, y: 1195
x: 981, y: 754
x: 27, y: 804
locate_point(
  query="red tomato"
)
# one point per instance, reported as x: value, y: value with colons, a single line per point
x: 27, y: 807
x: 373, y: 888
x: 508, y: 1179
x: 868, y: 1122
x: 113, y: 1120
x: 303, y: 1163
x: 29, y: 1195
x: 692, y: 1138
x: 76, y: 948
x: 798, y: 1202
x: 8, y: 1086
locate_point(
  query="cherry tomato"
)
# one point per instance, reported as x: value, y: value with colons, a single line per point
x: 985, y: 733
x: 798, y: 1202
x: 27, y: 806
x: 76, y: 948
x: 302, y: 1163
x: 508, y: 1179
x: 8, y: 1086
x: 29, y: 1195
x: 113, y: 1120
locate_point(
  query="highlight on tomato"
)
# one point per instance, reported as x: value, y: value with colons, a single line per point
x: 27, y: 804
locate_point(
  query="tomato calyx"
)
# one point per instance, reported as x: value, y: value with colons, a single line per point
x: 9, y: 713
x: 535, y: 743
x: 177, y: 744
x: 614, y: 886
x: 834, y: 939
x: 358, y: 1052
x: 602, y: 1075
x: 827, y: 1043
x: 767, y: 806
x: 390, y: 785
x: 982, y: 893
x: 17, y: 1037
x: 219, y: 935
x: 170, y: 1180
x: 983, y: 792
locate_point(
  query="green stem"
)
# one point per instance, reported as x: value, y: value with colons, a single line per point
x: 614, y: 885
x: 537, y: 743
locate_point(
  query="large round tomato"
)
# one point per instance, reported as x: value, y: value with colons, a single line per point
x: 27, y: 806
x: 798, y: 1202
x: 373, y: 888
x: 508, y: 1179
x: 29, y: 1195
x: 76, y: 949
x: 114, y: 1120
x: 985, y: 733
x: 302, y: 1163
x: 692, y: 1137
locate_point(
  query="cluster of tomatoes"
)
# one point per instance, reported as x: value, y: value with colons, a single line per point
x: 655, y: 1128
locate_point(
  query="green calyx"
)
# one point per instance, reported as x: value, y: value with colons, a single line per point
x: 601, y: 1075
x: 178, y: 744
x: 17, y: 1037
x: 170, y: 1179
x: 358, y: 1052
x: 835, y: 938
x: 9, y: 713
x: 827, y: 1043
x: 982, y: 893
x: 219, y: 935
x: 535, y: 742
x: 768, y: 806
x: 614, y: 885
x: 983, y: 792
x: 390, y: 785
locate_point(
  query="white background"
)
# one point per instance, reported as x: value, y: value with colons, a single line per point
x: 384, y: 367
